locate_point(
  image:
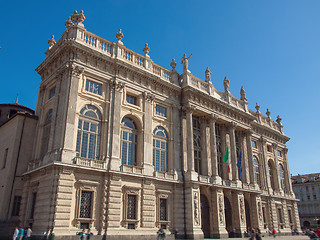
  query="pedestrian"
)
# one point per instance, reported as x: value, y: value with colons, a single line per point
x: 82, y: 234
x: 51, y: 235
x: 274, y: 232
x: 161, y: 234
x: 253, y: 234
x: 89, y: 234
x: 29, y: 233
x: 21, y: 233
x: 258, y: 234
x: 176, y: 233
x: 15, y: 234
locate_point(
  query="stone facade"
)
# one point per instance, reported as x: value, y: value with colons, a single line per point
x: 125, y: 147
x: 307, y: 190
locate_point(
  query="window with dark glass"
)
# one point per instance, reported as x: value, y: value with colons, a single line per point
x: 279, y: 153
x: 132, y: 207
x: 5, y: 156
x: 219, y: 149
x: 269, y: 148
x: 163, y: 209
x: 314, y: 197
x: 16, y: 206
x: 281, y: 175
x: 197, y: 144
x: 271, y: 174
x: 52, y: 92
x: 93, y: 87
x: 290, y: 216
x: 128, y: 141
x: 161, y: 111
x: 253, y: 144
x: 256, y: 170
x: 160, y: 149
x: 131, y: 99
x: 89, y: 131
x: 85, y: 204
x: 33, y: 204
x: 280, y: 215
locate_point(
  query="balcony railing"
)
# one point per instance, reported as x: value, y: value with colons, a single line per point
x: 89, y: 162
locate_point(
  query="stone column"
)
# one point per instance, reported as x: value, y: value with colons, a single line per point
x: 218, y: 214
x: 287, y: 172
x: 256, y: 211
x: 68, y: 149
x: 225, y: 142
x: 213, y: 146
x: 250, y: 171
x: 276, y: 162
x: 238, y: 208
x: 205, y: 148
x: 175, y: 129
x: 233, y: 152
x: 148, y: 135
x: 115, y: 125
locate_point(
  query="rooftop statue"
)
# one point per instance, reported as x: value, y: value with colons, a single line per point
x: 208, y: 75
x: 243, y: 94
x: 226, y: 84
x: 185, y: 61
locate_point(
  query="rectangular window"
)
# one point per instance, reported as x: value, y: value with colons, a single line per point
x: 132, y: 207
x: 5, y: 158
x: 163, y: 209
x: 85, y: 204
x: 93, y: 87
x: 33, y: 204
x: 314, y: 197
x: 16, y: 206
x: 253, y: 144
x: 269, y: 149
x: 131, y: 99
x: 290, y: 216
x: 52, y: 92
x: 279, y: 153
x: 280, y: 215
x: 308, y: 197
x: 161, y: 111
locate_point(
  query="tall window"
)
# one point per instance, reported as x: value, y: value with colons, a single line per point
x: 33, y: 204
x: 256, y: 170
x: 219, y: 149
x: 16, y: 206
x: 85, y: 204
x: 46, y: 134
x: 88, y: 137
x: 197, y: 144
x: 52, y: 92
x: 128, y: 141
x: 271, y: 174
x: 161, y: 111
x: 163, y: 210
x: 93, y: 87
x: 281, y: 175
x: 238, y: 149
x: 160, y: 149
x: 132, y: 207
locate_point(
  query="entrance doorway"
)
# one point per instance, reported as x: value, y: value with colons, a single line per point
x: 248, y: 218
x: 228, y: 213
x: 205, y: 216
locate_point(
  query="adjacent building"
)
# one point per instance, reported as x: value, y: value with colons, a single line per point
x: 124, y: 147
x: 307, y: 190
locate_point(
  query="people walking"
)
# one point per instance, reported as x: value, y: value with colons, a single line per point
x: 21, y: 233
x: 89, y: 234
x: 15, y: 234
x: 29, y: 233
x: 161, y: 234
x: 274, y: 232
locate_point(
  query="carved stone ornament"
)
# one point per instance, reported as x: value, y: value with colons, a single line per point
x: 257, y: 107
x: 119, y: 36
x: 279, y: 119
x: 51, y: 41
x: 221, y: 211
x: 117, y: 85
x: 268, y: 112
x: 68, y: 22
x: 188, y: 109
x: 77, y: 70
x: 77, y: 18
x: 173, y: 64
x: 196, y: 208
x: 146, y: 49
x: 243, y: 94
x: 148, y: 96
x: 259, y: 211
x: 226, y: 83
x: 242, y: 210
x: 185, y: 62
x: 208, y: 75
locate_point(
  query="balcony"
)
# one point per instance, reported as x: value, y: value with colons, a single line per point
x: 93, y: 163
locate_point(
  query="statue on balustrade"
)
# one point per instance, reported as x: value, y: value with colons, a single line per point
x: 185, y: 61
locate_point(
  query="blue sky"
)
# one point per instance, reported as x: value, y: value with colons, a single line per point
x: 269, y: 47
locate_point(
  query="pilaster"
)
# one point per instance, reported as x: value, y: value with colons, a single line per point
x: 233, y: 152
x: 238, y: 207
x: 218, y: 214
x: 276, y: 162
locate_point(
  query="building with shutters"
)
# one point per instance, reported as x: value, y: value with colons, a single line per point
x: 124, y: 147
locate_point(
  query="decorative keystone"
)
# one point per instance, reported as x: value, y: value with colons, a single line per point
x: 146, y: 49
x: 208, y: 75
x: 268, y: 112
x: 51, y: 41
x: 119, y: 36
x: 243, y: 94
x: 257, y: 107
x: 173, y: 64
x: 226, y: 83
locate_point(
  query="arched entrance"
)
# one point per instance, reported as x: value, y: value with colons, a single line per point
x: 205, y: 216
x: 228, y: 213
x: 248, y: 218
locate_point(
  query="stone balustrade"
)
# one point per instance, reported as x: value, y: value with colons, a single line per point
x: 89, y: 162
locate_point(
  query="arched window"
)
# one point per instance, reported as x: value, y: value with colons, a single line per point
x: 271, y: 174
x: 160, y: 149
x: 46, y: 134
x: 281, y: 175
x: 256, y: 170
x: 88, y: 137
x: 128, y: 141
x: 197, y: 145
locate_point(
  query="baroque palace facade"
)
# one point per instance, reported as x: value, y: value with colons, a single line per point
x: 124, y: 146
